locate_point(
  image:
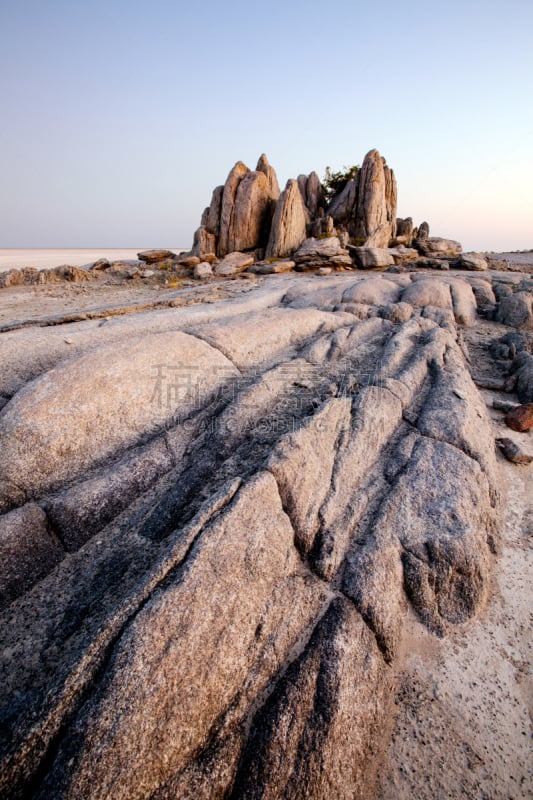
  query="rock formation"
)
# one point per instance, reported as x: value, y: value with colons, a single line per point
x: 376, y: 201
x: 240, y: 212
x: 289, y: 223
x: 214, y: 519
x: 244, y: 215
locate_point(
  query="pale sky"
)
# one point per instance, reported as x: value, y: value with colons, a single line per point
x: 120, y: 117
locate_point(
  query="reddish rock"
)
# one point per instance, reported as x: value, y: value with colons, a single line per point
x: 520, y: 418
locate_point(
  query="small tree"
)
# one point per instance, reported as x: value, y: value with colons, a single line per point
x: 334, y: 182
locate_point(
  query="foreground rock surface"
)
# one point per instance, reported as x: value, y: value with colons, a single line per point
x: 239, y: 502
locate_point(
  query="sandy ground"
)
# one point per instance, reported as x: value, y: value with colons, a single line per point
x: 46, y: 258
x: 463, y: 728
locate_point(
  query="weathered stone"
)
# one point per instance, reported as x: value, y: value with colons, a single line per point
x: 373, y: 291
x: 270, y: 172
x: 483, y: 293
x: 233, y: 263
x: 342, y: 205
x: 391, y: 197
x: 273, y: 268
x: 203, y: 270
x: 289, y: 223
x: 187, y: 260
x: 152, y: 256
x: 101, y: 264
x: 428, y: 292
x: 240, y: 562
x: 227, y: 209
x: 108, y: 399
x: 28, y: 551
x: 434, y: 244
x: 204, y: 243
x: 376, y: 197
x: 513, y: 452
x: 423, y: 231
x: 300, y: 739
x: 464, y: 302
x: 314, y: 194
x: 404, y: 229
x: 12, y: 277
x: 474, y: 261
x: 380, y: 237
x: 522, y: 377
x: 166, y: 679
x: 313, y: 249
x: 520, y: 418
x: 252, y: 213
x: 516, y: 311
x: 369, y: 257
x: 212, y: 222
x: 397, y: 312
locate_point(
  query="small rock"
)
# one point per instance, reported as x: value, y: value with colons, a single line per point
x: 273, y: 268
x: 520, y: 418
x: 513, y: 452
x: 203, y: 270
x: 474, y: 261
x: 188, y: 260
x: 234, y: 263
x: 325, y: 249
x: 324, y: 271
x: 369, y: 257
x: 434, y: 244
x: 153, y: 256
x: 147, y: 273
x: 102, y: 263
x: 14, y: 277
x: 504, y: 405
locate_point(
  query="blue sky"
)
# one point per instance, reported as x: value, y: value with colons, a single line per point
x: 119, y: 118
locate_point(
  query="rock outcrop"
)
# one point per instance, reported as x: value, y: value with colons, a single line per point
x: 239, y: 215
x: 376, y: 200
x: 288, y: 229
x: 213, y: 539
x: 248, y: 213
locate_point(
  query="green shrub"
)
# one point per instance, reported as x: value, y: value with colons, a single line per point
x: 334, y: 182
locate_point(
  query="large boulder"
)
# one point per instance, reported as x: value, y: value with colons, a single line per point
x: 516, y: 310
x: 273, y: 185
x: 288, y: 229
x: 204, y: 242
x: 312, y: 193
x: 376, y: 197
x: 232, y: 610
x: 233, y: 263
x: 252, y: 213
x: 328, y: 249
x: 436, y: 245
x: 474, y: 261
x: 370, y: 257
x: 404, y: 230
x: 380, y: 237
x: 342, y: 205
x: 227, y: 208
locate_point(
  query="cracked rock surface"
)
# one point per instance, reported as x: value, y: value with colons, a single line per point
x: 235, y: 507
